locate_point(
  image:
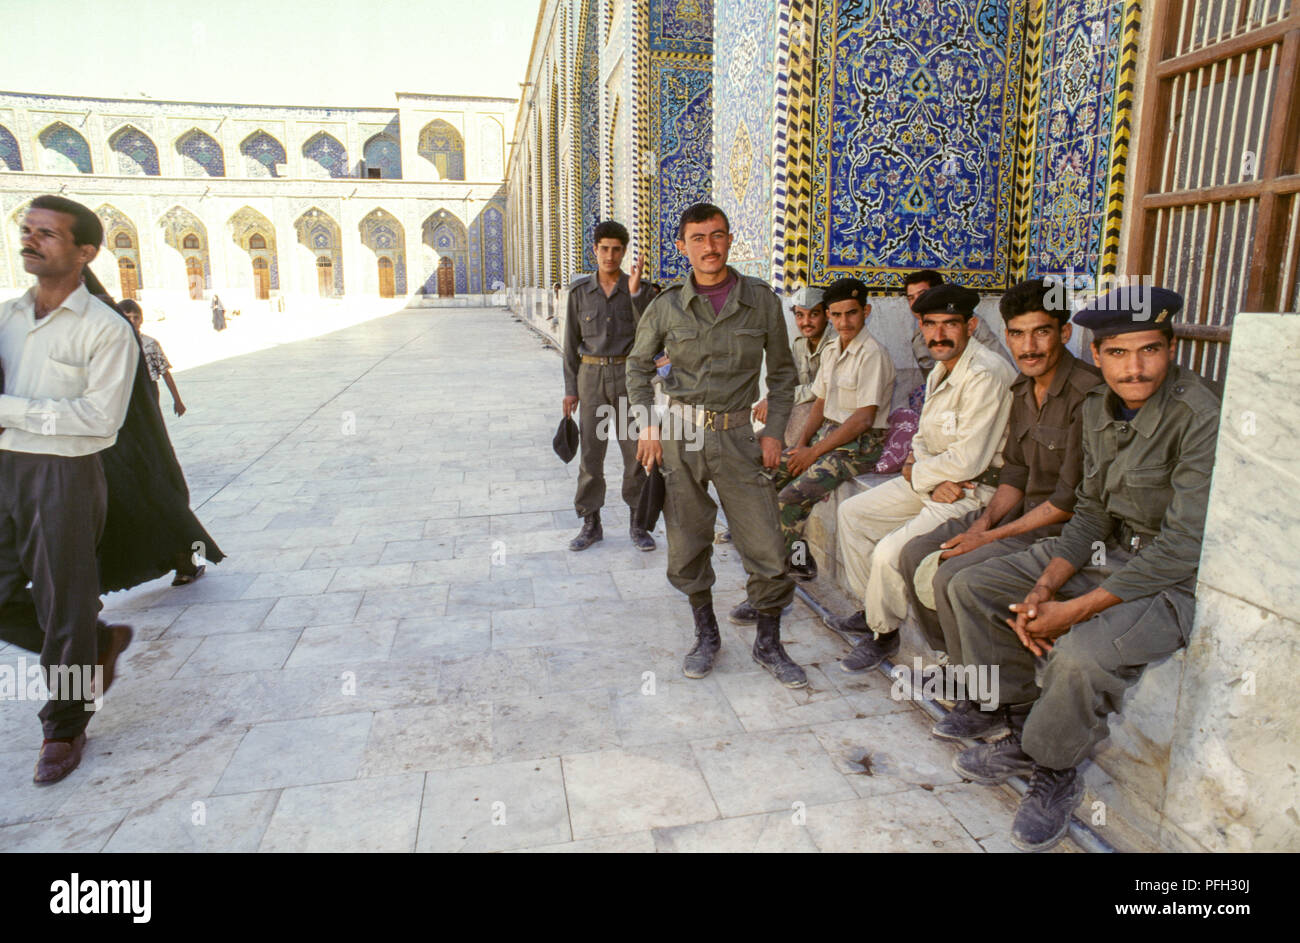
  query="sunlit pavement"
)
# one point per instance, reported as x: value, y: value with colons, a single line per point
x: 400, y: 652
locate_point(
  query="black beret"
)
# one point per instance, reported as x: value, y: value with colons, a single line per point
x: 1130, y: 308
x: 844, y: 289
x: 947, y: 299
x: 651, y: 502
x: 565, y: 442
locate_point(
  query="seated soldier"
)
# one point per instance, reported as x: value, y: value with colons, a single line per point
x: 950, y: 473
x: 1042, y: 464
x: 915, y: 284
x: 810, y: 320
x: 1115, y: 591
x: 845, y: 432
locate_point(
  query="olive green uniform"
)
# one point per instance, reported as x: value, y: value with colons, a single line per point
x: 1136, y: 532
x: 716, y: 363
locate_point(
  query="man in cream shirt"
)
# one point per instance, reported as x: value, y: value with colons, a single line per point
x: 950, y: 472
x: 69, y: 361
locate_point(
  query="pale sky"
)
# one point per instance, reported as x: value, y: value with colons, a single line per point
x: 275, y: 52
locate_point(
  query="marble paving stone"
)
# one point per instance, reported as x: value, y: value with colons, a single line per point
x: 769, y: 772
x: 913, y: 821
x: 343, y: 645
x: 154, y: 769
x: 465, y: 569
x: 425, y: 738
x: 762, y: 703
x: 630, y: 843
x: 268, y: 561
x: 23, y: 800
x: 525, y: 628
x: 423, y: 639
x: 325, y: 609
x: 406, y: 602
x: 353, y: 554
x: 569, y: 590
x: 984, y: 812
x: 290, y: 583
x: 384, y: 576
x: 552, y: 724
x: 366, y: 815
x: 672, y: 711
x: 889, y: 753
x: 398, y: 530
x: 642, y: 584
x: 288, y: 753
x: 220, y: 618
x: 633, y: 790
x: 472, y: 598
x: 494, y: 808
x: 778, y: 832
x: 551, y: 564
x: 72, y: 833
x: 408, y: 551
x: 197, y: 824
x: 616, y: 666
x: 235, y: 654
x: 146, y: 623
x: 159, y: 660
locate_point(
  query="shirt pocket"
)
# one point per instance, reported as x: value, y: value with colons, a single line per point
x: 846, y: 386
x: 1147, y: 493
x: 590, y: 324
x: 62, y: 380
x: 747, y: 347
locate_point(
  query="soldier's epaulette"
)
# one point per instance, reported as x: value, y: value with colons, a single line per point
x: 1196, y: 393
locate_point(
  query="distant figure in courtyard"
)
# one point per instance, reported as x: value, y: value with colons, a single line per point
x: 154, y: 358
x: 218, y: 314
x: 600, y: 324
x: 68, y: 362
x: 718, y: 327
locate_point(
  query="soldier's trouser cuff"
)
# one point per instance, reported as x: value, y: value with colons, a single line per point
x: 702, y: 598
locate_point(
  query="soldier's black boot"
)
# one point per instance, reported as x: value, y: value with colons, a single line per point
x: 769, y: 653
x: 870, y: 651
x: 699, y: 660
x: 590, y: 533
x: 996, y: 762
x: 641, y: 538
x: 1044, y: 814
x: 966, y: 721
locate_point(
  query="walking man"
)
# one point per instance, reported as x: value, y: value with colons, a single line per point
x: 717, y: 327
x: 1116, y: 590
x: 69, y: 362
x: 600, y: 324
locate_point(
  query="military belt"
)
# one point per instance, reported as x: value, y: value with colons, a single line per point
x: 989, y: 477
x: 602, y: 361
x: 711, y: 419
x: 1132, y: 540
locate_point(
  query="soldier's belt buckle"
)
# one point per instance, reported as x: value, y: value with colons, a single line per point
x: 708, y: 419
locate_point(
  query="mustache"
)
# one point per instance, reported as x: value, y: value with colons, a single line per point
x: 940, y: 344
x: 1137, y: 379
x: 31, y: 253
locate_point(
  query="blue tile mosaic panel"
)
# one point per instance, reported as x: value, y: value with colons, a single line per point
x: 914, y: 144
x: 10, y: 156
x: 589, y: 152
x: 200, y: 156
x: 328, y: 154
x: 136, y: 154
x: 742, y: 128
x: 681, y: 25
x: 441, y: 145
x: 383, y: 152
x: 681, y: 127
x: 64, y: 151
x: 263, y: 155
x: 1081, y: 59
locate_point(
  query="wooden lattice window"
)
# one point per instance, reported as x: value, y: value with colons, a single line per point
x: 1217, y: 211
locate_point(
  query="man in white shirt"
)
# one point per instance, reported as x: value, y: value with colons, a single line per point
x: 950, y: 472
x: 844, y: 433
x: 69, y: 361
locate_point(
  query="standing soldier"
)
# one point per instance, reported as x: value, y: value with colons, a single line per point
x: 717, y: 326
x: 1116, y: 590
x: 599, y: 326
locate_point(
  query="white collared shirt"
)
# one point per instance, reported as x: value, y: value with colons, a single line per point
x: 862, y: 375
x: 963, y: 423
x: 67, y: 377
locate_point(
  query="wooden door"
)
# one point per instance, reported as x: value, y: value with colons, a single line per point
x: 385, y: 277
x: 261, y: 279
x: 194, y: 274
x: 325, y: 276
x: 446, y: 278
x: 126, y: 272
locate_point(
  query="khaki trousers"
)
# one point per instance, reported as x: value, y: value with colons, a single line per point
x: 603, y: 385
x: 871, y: 530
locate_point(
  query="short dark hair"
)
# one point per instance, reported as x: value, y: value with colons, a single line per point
x: 610, y: 230
x: 1033, y: 295
x: 127, y: 306
x: 927, y: 275
x: 700, y: 213
x: 87, y: 230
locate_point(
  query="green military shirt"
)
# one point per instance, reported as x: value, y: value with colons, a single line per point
x: 1146, y: 482
x: 716, y: 359
x: 806, y: 362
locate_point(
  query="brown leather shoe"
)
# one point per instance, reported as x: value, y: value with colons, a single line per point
x: 119, y: 638
x: 58, y: 758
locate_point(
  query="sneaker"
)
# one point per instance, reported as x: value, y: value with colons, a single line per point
x: 870, y: 652
x: 1044, y: 814
x: 993, y: 763
x: 966, y: 721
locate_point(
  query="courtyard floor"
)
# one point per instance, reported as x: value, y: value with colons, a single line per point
x: 400, y: 652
